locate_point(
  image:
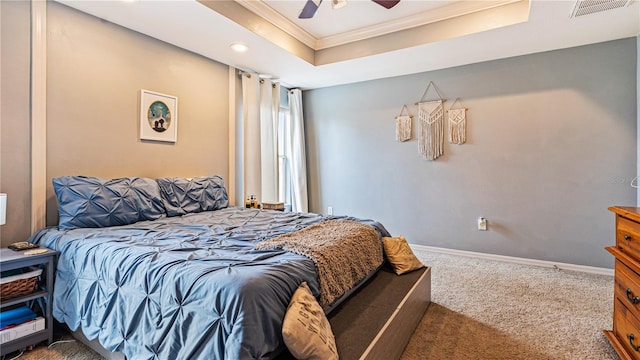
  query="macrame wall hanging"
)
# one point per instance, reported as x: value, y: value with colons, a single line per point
x: 431, y: 119
x: 457, y: 120
x: 403, y: 125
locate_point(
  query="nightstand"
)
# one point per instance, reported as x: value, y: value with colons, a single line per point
x: 42, y: 295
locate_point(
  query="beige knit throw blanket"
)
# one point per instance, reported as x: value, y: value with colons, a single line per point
x: 344, y: 252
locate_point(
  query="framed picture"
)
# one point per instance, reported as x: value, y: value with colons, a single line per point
x: 158, y: 116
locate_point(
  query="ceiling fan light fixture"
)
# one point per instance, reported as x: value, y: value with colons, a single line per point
x: 311, y: 6
x: 337, y: 4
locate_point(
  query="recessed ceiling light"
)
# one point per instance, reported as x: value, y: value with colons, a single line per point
x: 239, y: 47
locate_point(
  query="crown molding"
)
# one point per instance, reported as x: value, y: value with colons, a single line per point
x: 263, y: 10
x: 423, y: 18
x: 460, y: 8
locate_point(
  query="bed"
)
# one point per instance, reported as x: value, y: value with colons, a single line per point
x: 165, y: 269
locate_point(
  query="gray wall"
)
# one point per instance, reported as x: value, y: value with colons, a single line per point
x: 15, y: 146
x: 95, y: 72
x: 638, y: 106
x: 551, y: 144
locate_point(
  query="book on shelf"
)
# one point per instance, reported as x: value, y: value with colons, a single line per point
x: 16, y: 316
x: 21, y: 330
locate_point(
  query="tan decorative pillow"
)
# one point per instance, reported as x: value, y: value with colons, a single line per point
x: 400, y: 255
x: 306, y: 330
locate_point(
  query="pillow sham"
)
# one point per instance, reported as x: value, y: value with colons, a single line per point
x: 306, y: 330
x: 183, y: 196
x: 86, y: 201
x: 400, y: 255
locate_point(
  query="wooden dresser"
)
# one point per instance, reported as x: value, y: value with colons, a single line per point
x: 625, y: 336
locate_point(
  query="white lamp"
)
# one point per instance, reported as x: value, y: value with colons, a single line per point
x: 3, y: 209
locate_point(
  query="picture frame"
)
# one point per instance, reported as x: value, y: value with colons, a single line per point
x: 158, y: 116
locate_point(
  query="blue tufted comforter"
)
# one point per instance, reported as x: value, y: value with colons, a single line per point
x: 188, y: 287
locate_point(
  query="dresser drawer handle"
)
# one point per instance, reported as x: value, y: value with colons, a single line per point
x: 627, y: 237
x: 633, y: 299
x: 634, y: 347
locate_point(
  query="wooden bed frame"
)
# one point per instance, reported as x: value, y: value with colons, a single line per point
x: 376, y: 322
x: 392, y: 339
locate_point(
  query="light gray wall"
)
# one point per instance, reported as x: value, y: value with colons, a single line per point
x: 551, y: 143
x: 638, y: 105
x: 95, y: 72
x: 15, y: 146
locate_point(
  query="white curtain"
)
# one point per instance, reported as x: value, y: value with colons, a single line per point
x: 296, y: 153
x: 269, y: 108
x: 260, y: 102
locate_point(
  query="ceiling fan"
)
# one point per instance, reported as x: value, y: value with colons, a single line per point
x: 311, y: 7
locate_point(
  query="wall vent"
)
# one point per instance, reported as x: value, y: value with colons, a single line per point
x: 586, y: 7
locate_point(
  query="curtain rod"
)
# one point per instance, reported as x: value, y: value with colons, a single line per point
x: 261, y: 76
x: 248, y: 73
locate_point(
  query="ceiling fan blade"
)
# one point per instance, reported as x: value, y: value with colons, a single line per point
x: 387, y: 3
x: 309, y: 9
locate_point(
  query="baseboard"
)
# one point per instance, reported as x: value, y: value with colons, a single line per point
x: 516, y: 260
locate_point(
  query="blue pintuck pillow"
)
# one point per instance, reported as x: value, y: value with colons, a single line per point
x: 183, y: 196
x: 85, y: 201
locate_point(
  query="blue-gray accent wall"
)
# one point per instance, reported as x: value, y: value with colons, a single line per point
x: 551, y: 143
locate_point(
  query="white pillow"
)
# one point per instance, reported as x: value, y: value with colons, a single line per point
x: 306, y: 330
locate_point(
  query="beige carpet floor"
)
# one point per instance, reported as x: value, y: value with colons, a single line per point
x: 486, y: 310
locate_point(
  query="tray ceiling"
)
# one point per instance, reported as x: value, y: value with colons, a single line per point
x: 364, y: 41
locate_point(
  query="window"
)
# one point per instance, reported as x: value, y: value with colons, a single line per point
x: 284, y: 175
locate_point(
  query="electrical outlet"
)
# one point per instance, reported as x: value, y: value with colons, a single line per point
x: 330, y: 210
x: 482, y: 223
